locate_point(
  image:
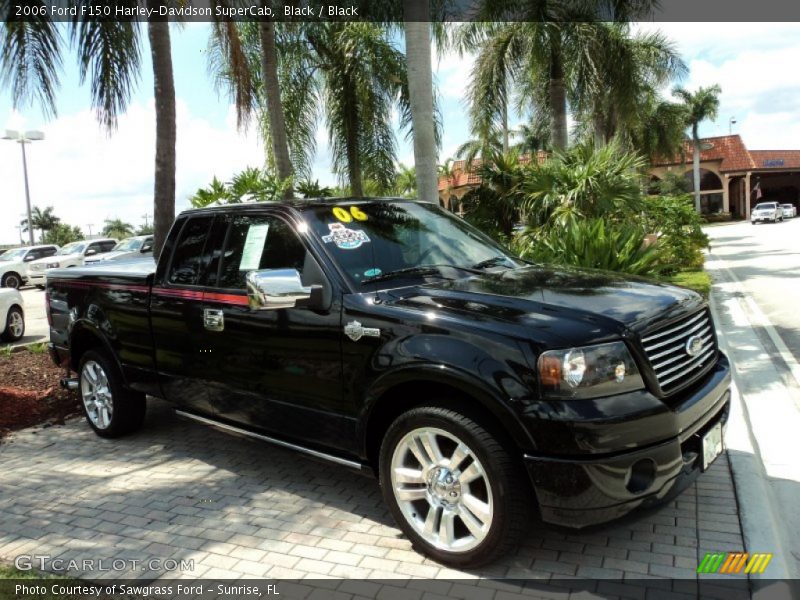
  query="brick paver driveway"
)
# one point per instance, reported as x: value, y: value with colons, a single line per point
x: 240, y: 508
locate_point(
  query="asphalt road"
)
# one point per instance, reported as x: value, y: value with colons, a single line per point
x: 765, y: 258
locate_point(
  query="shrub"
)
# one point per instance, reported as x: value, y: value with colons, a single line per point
x: 679, y: 228
x: 592, y: 243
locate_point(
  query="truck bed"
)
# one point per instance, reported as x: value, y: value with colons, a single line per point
x: 108, y: 301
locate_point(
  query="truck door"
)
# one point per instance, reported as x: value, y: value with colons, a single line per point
x: 176, y: 315
x: 273, y: 370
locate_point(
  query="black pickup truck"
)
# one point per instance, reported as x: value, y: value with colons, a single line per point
x: 390, y: 336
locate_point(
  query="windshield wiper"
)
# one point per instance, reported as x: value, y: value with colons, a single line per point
x: 495, y: 261
x: 423, y: 270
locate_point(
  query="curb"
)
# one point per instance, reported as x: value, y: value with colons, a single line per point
x: 761, y: 524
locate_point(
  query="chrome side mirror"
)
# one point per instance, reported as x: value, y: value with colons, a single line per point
x: 271, y: 289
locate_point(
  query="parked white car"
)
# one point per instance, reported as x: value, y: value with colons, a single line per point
x: 132, y: 247
x: 71, y: 255
x: 14, y: 263
x: 12, y: 315
x: 789, y: 211
x: 766, y: 211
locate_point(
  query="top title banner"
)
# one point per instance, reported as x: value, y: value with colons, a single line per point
x: 403, y: 10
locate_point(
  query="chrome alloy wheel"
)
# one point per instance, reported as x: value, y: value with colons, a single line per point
x: 16, y: 324
x: 442, y: 489
x: 96, y: 394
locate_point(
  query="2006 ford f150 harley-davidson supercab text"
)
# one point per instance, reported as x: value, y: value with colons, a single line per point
x: 390, y: 336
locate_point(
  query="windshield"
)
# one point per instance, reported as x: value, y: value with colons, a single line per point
x: 73, y: 248
x: 14, y: 254
x: 766, y: 206
x: 372, y: 239
x: 128, y: 245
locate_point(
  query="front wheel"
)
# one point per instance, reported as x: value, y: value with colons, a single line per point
x: 11, y: 280
x: 110, y: 409
x: 15, y: 325
x: 452, y: 487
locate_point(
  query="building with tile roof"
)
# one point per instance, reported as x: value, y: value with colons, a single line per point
x: 733, y: 178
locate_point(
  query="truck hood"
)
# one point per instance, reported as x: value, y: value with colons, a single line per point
x: 599, y: 303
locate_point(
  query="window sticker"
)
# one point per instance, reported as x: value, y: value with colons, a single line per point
x: 253, y: 247
x: 372, y: 272
x: 344, y: 238
x: 342, y: 214
x: 358, y: 214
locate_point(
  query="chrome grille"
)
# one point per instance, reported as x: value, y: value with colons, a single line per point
x: 666, y: 349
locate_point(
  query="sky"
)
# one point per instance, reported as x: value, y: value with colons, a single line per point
x: 88, y: 176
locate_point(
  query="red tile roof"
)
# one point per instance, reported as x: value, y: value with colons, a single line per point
x: 776, y: 159
x: 729, y: 149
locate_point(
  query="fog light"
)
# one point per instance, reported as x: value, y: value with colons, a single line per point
x: 641, y: 476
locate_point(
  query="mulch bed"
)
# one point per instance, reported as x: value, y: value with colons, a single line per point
x: 30, y: 393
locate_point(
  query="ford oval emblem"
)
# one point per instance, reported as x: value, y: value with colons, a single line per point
x: 694, y: 345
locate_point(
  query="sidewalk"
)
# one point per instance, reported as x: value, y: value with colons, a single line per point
x: 763, y: 439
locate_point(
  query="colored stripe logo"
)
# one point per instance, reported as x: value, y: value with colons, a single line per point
x: 733, y: 563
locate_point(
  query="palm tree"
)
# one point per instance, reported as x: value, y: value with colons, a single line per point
x: 43, y: 220
x: 582, y: 183
x: 109, y: 57
x: 117, y: 228
x: 313, y: 189
x: 166, y: 126
x: 530, y: 56
x: 700, y: 105
x: 613, y: 90
x: 348, y: 73
x: 420, y: 91
x: 406, y: 181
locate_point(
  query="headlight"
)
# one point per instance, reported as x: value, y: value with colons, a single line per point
x: 588, y: 372
x: 53, y: 265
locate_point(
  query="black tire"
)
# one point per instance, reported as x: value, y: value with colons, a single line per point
x: 128, y: 407
x: 11, y: 280
x: 511, y: 492
x: 8, y: 335
x: 39, y: 287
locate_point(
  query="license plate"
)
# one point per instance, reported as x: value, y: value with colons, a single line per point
x: 712, y: 445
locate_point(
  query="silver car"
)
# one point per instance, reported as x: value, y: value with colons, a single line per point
x: 789, y: 211
x: 132, y: 247
x: 766, y: 211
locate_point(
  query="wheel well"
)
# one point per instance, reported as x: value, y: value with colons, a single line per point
x: 81, y: 342
x: 405, y: 396
x: 22, y: 310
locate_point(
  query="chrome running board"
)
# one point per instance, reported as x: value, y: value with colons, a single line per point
x: 232, y: 429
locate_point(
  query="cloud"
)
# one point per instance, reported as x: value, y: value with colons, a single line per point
x: 88, y: 176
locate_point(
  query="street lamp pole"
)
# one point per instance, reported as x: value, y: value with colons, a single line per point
x: 22, y: 138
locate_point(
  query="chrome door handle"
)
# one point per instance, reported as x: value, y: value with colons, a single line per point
x: 213, y: 319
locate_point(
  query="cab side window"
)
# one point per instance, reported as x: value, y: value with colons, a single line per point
x: 47, y: 252
x: 106, y: 247
x: 187, y: 256
x: 258, y: 242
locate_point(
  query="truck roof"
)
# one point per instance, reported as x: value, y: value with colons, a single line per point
x: 298, y: 203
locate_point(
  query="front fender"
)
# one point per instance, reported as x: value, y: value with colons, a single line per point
x: 492, y: 400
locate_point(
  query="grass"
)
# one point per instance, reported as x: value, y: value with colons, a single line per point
x: 8, y: 572
x: 39, y: 348
x: 699, y: 281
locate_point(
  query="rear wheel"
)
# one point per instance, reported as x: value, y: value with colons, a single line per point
x: 15, y: 325
x: 452, y: 487
x: 110, y: 409
x: 11, y: 280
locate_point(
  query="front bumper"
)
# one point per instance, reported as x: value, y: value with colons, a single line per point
x: 588, y: 489
x: 763, y: 218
